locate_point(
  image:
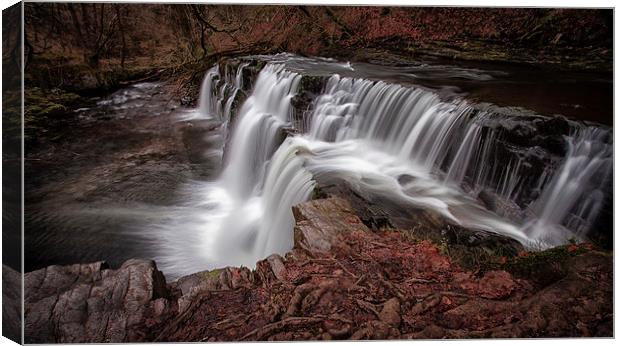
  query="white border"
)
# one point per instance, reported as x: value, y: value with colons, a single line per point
x: 468, y: 3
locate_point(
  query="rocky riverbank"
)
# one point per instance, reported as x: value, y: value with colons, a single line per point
x: 342, y: 280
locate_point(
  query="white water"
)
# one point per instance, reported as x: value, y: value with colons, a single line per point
x: 369, y: 134
x: 218, y: 92
x: 577, y: 187
x: 246, y: 214
x: 206, y: 101
x: 386, y: 130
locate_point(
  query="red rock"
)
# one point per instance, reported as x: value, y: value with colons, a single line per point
x: 428, y: 259
x: 320, y: 222
x: 390, y: 313
x: 311, y: 294
x: 496, y: 285
x: 588, y: 246
x: 446, y: 301
x: 277, y: 266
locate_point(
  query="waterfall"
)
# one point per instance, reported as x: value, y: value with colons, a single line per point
x: 576, y: 191
x: 258, y: 131
x: 400, y: 142
x: 237, y: 85
x: 450, y: 149
x: 244, y: 215
x: 215, y: 102
x: 287, y: 183
x: 206, y: 101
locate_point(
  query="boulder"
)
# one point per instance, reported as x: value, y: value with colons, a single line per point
x: 90, y: 303
x: 319, y: 222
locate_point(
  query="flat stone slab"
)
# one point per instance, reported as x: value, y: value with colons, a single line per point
x: 319, y: 222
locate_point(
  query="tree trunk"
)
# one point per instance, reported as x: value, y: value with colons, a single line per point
x: 122, y: 31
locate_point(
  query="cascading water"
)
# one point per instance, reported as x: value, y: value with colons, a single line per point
x: 245, y: 215
x: 258, y: 131
x: 422, y: 131
x: 237, y: 85
x: 206, y: 102
x: 219, y: 92
x: 576, y: 192
x: 400, y: 142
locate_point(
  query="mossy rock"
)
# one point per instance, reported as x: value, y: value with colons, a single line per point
x: 211, y: 274
x: 312, y: 84
x: 318, y: 193
x: 545, y: 267
x: 48, y: 110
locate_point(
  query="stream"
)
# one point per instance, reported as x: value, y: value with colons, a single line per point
x: 203, y: 188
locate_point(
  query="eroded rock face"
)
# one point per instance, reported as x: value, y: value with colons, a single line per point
x: 11, y: 304
x: 340, y: 281
x: 319, y: 223
x: 90, y: 303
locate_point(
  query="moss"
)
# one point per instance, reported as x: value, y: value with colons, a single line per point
x: 479, y: 258
x: 47, y: 110
x: 260, y: 64
x: 472, y: 250
x: 405, y: 234
x: 544, y: 267
x: 211, y: 274
x: 39, y: 100
x: 318, y: 193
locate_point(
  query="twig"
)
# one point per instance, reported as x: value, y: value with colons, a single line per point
x: 366, y: 305
x: 266, y: 330
x: 359, y: 281
x: 420, y: 281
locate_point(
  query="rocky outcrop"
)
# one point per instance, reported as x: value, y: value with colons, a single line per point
x: 11, y: 304
x: 320, y: 222
x: 89, y: 303
x: 342, y: 280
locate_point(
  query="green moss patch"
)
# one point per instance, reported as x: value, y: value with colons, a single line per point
x: 47, y: 110
x: 544, y: 267
x: 211, y: 274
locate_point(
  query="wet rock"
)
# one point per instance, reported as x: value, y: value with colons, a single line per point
x: 208, y: 279
x: 318, y: 223
x: 232, y: 278
x: 277, y: 267
x: 309, y: 88
x: 188, y: 101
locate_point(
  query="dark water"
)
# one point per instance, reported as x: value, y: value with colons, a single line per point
x: 586, y: 96
x: 90, y: 194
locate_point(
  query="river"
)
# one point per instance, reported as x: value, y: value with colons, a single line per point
x: 203, y: 188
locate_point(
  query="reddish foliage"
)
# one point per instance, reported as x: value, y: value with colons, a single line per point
x: 164, y: 31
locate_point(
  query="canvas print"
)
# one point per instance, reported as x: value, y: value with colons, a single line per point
x: 205, y: 172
